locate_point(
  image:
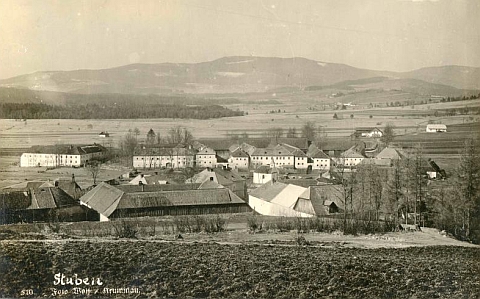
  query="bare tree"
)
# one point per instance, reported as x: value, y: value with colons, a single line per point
x: 274, y: 133
x: 308, y: 131
x: 128, y: 145
x: 179, y: 134
x: 151, y: 137
x: 468, y: 187
x: 93, y: 168
x: 136, y: 131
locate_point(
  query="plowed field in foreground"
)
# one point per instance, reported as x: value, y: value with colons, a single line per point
x: 241, y: 271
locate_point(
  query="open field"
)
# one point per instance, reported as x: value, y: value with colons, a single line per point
x: 179, y: 270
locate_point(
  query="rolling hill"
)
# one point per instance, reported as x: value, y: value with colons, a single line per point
x: 241, y: 74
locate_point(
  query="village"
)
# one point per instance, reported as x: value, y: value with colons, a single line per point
x: 275, y: 176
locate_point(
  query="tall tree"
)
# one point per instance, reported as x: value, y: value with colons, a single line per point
x: 93, y: 168
x: 179, y: 135
x: 468, y: 187
x: 388, y: 134
x: 151, y: 137
x: 308, y: 131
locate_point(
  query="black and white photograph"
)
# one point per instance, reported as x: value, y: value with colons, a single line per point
x: 240, y: 149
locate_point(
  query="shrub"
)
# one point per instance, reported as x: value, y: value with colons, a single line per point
x: 253, y: 224
x: 126, y: 230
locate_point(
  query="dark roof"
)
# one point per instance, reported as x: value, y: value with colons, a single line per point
x: 315, y: 152
x: 70, y: 187
x: 266, y: 169
x: 14, y: 200
x: 157, y: 187
x: 301, y: 182
x: 67, y: 149
x: 337, y: 145
x: 178, y: 198
x: 239, y: 153
x: 225, y: 144
x: 268, y: 191
x: 49, y: 198
x: 323, y: 196
x: 164, y: 151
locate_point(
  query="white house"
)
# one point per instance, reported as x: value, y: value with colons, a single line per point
x: 279, y: 199
x: 280, y: 155
x: 239, y: 159
x: 349, y: 158
x: 61, y: 155
x: 320, y: 160
x: 206, y: 157
x: 162, y: 157
x: 436, y: 128
x: 265, y: 174
x: 368, y: 132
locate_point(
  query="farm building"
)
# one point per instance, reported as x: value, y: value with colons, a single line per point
x: 279, y: 199
x: 368, y: 133
x: 239, y: 159
x: 264, y: 174
x: 62, y: 155
x: 206, y: 157
x: 228, y: 179
x: 436, y: 128
x: 148, y: 157
x: 112, y: 202
x: 69, y: 186
x: 44, y: 204
x: 319, y: 159
x: 349, y: 158
x: 280, y: 155
x: 150, y: 179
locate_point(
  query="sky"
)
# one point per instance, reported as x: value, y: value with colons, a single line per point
x: 394, y: 35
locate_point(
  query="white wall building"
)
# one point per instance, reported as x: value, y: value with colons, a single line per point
x: 176, y: 157
x: 206, y: 157
x: 61, y: 155
x: 436, y: 128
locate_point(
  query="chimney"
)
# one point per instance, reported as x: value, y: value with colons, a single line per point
x: 56, y: 184
x: 73, y: 178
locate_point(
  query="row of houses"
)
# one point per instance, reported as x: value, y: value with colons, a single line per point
x: 298, y: 153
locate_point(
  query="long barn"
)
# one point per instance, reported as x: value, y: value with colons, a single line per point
x: 112, y: 202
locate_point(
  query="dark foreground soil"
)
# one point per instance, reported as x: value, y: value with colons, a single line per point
x: 239, y: 271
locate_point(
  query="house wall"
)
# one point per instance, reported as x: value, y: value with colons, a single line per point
x: 280, y: 161
x: 239, y: 162
x: 270, y: 209
x: 323, y: 164
x: 182, y: 210
x: 174, y: 161
x: 262, y: 178
x: 301, y: 162
x: 51, y: 160
x: 206, y: 160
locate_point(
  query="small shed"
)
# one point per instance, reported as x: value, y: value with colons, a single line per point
x: 436, y: 128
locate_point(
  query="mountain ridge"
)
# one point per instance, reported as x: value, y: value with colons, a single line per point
x: 237, y: 74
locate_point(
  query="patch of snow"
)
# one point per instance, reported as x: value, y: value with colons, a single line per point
x: 242, y: 61
x: 321, y: 63
x: 230, y: 74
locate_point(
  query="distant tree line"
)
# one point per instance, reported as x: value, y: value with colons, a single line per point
x: 113, y: 111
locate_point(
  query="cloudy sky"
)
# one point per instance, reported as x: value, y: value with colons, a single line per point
x: 396, y: 35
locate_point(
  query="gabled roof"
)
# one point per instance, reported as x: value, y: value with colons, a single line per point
x: 104, y: 198
x: 14, y: 200
x: 278, y: 150
x: 389, y: 153
x: 178, y: 198
x: 315, y: 153
x: 206, y: 151
x: 223, y: 177
x: 24, y: 186
x: 50, y: 198
x: 63, y: 149
x: 266, y: 169
x: 282, y: 194
x: 210, y: 185
x: 157, y: 187
x: 164, y: 151
x: 351, y: 153
x: 437, y: 126
x: 239, y: 153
